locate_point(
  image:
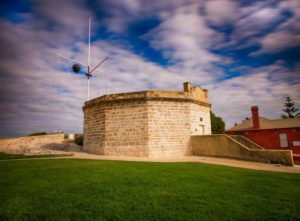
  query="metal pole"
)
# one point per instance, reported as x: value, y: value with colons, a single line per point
x: 88, y: 85
x: 89, y: 59
x: 89, y: 55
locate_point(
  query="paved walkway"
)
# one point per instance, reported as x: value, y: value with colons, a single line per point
x: 194, y: 159
x: 200, y: 159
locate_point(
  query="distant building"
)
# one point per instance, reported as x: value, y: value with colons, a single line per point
x: 153, y: 123
x: 270, y: 134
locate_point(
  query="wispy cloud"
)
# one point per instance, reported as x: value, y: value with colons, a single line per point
x: 221, y: 11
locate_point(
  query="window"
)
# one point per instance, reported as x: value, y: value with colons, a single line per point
x: 296, y: 143
x: 201, y: 119
x: 283, y: 140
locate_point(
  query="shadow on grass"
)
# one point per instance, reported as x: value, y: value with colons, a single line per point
x: 7, y: 156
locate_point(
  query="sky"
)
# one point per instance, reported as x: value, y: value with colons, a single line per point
x: 244, y: 52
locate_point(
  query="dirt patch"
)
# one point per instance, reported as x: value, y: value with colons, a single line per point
x: 64, y: 147
x: 45, y: 149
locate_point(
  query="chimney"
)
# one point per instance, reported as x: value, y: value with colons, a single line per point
x: 187, y: 87
x: 205, y: 92
x: 255, y: 117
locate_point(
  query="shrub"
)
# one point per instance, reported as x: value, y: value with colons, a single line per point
x: 79, y: 140
x: 38, y: 134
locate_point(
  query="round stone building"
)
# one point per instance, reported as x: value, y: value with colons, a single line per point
x: 153, y: 123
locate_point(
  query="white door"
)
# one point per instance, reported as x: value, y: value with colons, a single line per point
x: 201, y: 127
x: 283, y: 140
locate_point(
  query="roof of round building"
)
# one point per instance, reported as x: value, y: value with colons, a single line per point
x: 193, y: 94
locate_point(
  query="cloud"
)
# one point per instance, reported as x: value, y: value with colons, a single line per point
x: 186, y: 46
x: 255, y: 20
x: 286, y: 35
x: 278, y: 41
x: 221, y: 11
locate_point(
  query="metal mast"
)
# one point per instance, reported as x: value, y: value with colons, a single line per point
x: 89, y: 61
x: 90, y: 69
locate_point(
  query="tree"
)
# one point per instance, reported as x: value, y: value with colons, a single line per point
x: 217, y: 124
x: 290, y: 110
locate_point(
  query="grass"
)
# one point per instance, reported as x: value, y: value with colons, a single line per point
x: 7, y: 156
x: 70, y: 189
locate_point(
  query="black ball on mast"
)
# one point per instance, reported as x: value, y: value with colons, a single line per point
x: 76, y: 68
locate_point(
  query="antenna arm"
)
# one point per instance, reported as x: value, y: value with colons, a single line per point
x: 97, y: 71
x: 71, y: 59
x: 98, y: 64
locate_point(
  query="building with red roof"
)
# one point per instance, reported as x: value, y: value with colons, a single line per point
x: 281, y: 134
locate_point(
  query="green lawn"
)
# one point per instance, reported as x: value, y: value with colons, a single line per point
x: 7, y: 156
x: 70, y: 189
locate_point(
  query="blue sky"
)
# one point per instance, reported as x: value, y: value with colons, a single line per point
x: 244, y: 52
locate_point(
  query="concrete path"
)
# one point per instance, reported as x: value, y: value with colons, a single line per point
x: 199, y: 159
x: 194, y: 159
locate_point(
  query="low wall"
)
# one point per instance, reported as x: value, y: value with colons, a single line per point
x: 17, y: 145
x: 224, y: 146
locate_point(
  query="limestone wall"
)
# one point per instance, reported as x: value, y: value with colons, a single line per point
x: 126, y: 129
x: 94, y: 129
x: 144, y: 128
x: 225, y: 146
x: 19, y: 144
x: 169, y: 129
x: 116, y: 128
x: 171, y: 125
x: 154, y: 123
x: 199, y: 118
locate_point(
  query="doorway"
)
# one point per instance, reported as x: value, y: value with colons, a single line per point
x: 201, y: 129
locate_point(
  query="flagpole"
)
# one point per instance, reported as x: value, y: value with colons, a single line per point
x: 89, y: 58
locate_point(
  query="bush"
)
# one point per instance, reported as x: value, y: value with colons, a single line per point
x: 38, y: 134
x: 217, y: 124
x: 79, y: 140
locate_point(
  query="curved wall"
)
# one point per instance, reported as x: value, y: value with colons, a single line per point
x: 142, y: 124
